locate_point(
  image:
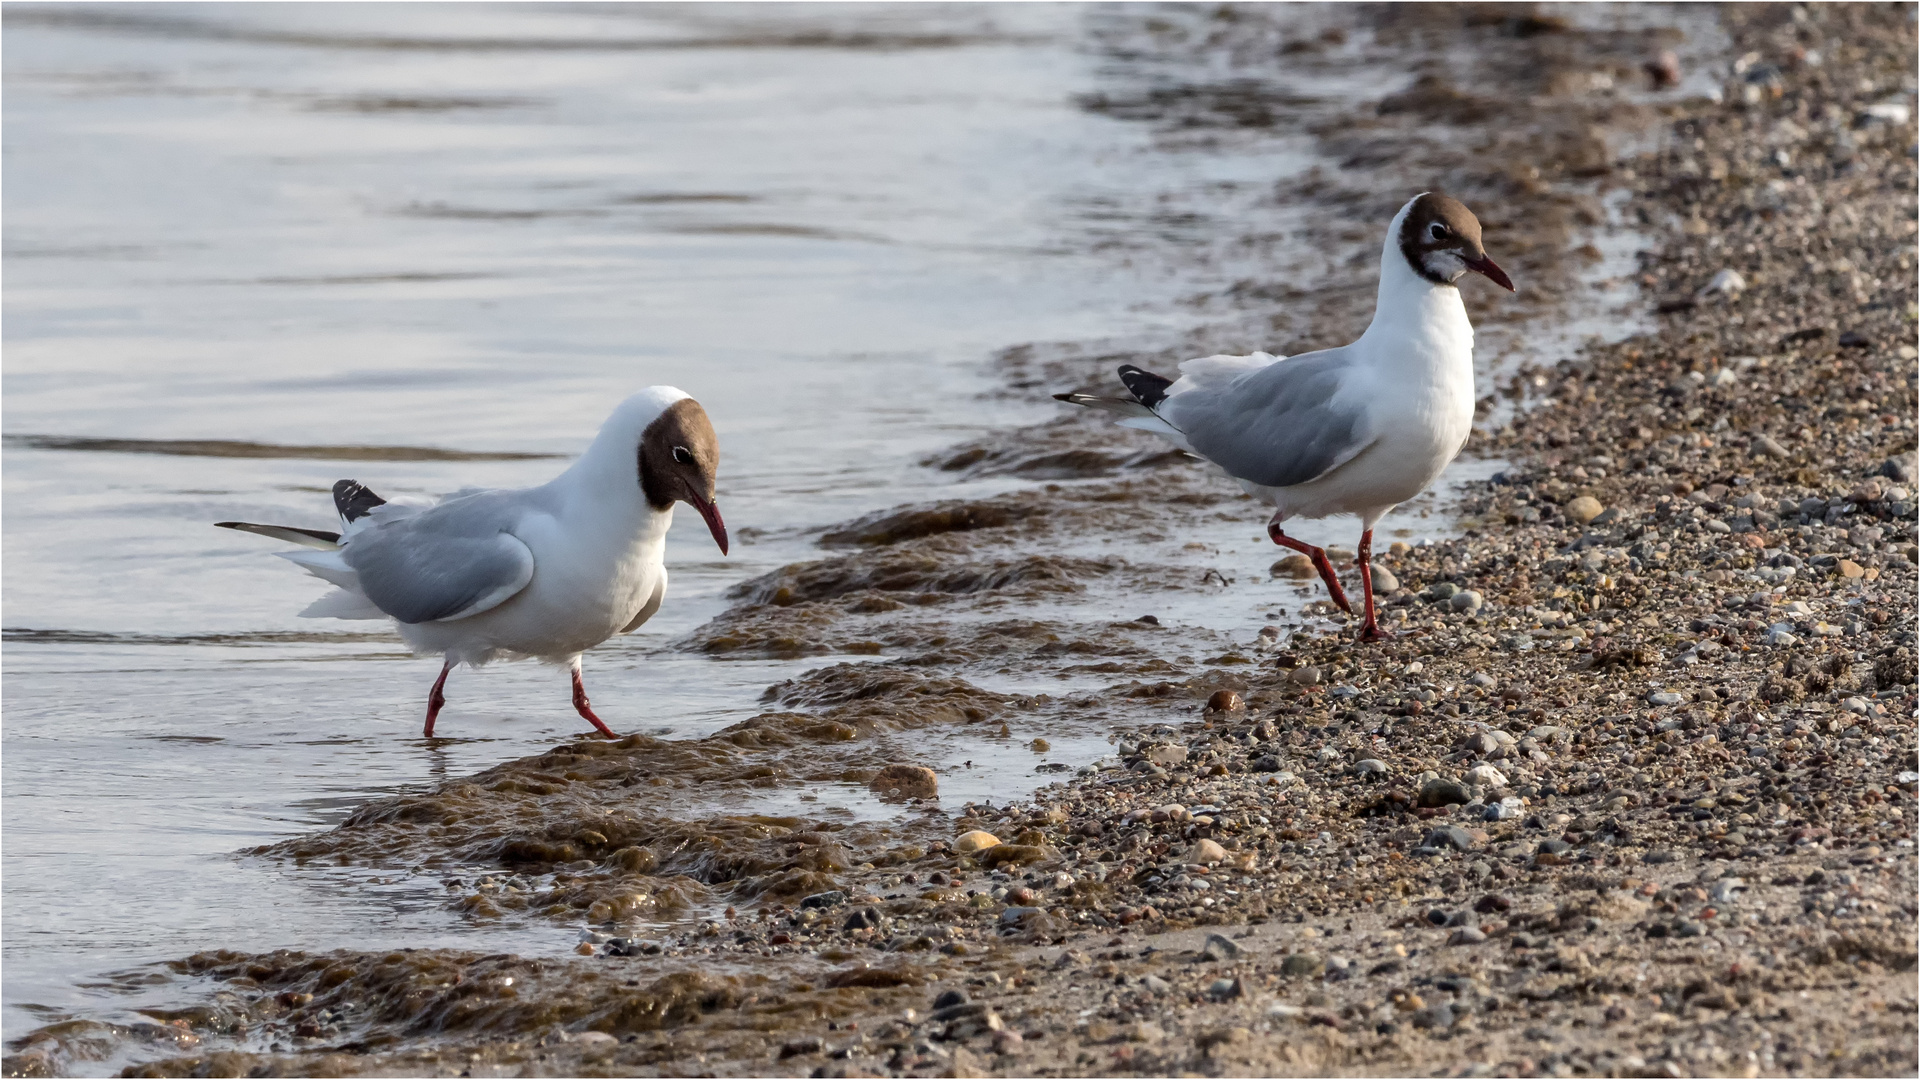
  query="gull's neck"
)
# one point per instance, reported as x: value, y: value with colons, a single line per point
x: 601, y: 489
x: 1415, y: 318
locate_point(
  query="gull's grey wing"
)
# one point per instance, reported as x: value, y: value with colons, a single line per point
x: 447, y: 563
x: 1276, y: 426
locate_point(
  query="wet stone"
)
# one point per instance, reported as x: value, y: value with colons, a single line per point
x: 905, y: 782
x: 823, y: 899
x: 972, y: 841
x: 1225, y: 701
x: 865, y: 918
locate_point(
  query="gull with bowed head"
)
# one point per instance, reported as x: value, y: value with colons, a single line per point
x: 546, y: 572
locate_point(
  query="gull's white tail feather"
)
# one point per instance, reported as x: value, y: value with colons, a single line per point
x: 342, y: 604
x: 328, y: 566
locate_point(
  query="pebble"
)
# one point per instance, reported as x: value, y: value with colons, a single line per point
x: 1583, y: 509
x: 1383, y: 580
x: 1302, y: 964
x: 1467, y: 935
x: 1766, y: 445
x: 1225, y: 701
x: 1226, y: 989
x: 593, y: 1038
x: 1220, y: 947
x: 1486, y: 776
x: 905, y: 782
x: 1305, y: 676
x: 1154, y: 984
x: 1369, y: 766
x: 1295, y: 566
x: 1727, y: 282
x: 1452, y: 836
x: 1664, y: 697
x: 823, y: 899
x: 1443, y: 792
x: 967, y: 843
x: 1206, y: 853
x: 1441, y: 590
x: 1466, y: 600
x: 1437, y: 1017
x: 1014, y: 916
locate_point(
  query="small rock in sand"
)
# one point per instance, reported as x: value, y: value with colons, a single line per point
x: 976, y: 840
x: 1206, y: 853
x: 1583, y: 509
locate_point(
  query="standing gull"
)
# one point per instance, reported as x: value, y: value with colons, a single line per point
x: 1353, y: 430
x: 546, y: 572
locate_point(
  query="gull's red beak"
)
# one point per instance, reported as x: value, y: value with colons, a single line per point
x: 1484, y: 265
x: 711, y: 515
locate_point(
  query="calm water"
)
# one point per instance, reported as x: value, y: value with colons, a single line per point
x: 468, y: 228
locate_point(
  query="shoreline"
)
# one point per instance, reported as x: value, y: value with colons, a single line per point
x: 1617, y: 916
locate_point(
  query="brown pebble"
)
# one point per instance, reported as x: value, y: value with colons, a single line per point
x: 1225, y: 701
x: 905, y: 782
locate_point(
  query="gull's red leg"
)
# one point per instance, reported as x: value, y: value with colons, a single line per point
x: 1320, y: 563
x: 1369, y: 629
x: 580, y: 703
x: 436, y: 699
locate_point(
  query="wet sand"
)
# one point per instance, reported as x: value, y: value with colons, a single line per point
x: 1630, y: 792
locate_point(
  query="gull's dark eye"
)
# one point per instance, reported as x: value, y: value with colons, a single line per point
x: 682, y: 455
x: 1438, y: 230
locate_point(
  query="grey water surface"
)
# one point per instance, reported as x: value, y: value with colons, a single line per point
x: 345, y: 229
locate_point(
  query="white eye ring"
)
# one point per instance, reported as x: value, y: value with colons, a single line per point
x: 682, y: 455
x: 1438, y: 230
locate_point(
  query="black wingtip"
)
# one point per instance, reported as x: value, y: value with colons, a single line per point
x: 353, y: 500
x: 1147, y: 388
x: 1063, y: 397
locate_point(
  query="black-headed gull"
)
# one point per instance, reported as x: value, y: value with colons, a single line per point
x: 1353, y: 430
x: 546, y: 572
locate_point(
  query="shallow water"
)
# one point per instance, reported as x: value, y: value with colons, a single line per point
x: 472, y: 229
